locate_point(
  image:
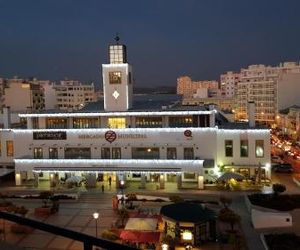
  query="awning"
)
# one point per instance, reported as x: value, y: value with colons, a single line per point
x: 141, y: 224
x: 140, y: 237
x: 113, y: 165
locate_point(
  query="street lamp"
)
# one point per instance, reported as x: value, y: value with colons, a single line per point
x: 96, y: 216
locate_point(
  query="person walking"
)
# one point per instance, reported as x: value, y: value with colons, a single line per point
x: 102, y: 188
x: 109, y: 180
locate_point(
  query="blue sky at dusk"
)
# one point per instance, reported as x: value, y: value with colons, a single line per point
x: 54, y: 39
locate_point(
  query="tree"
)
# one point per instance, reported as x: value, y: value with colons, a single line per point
x: 278, y: 189
x: 226, y: 201
x: 228, y: 216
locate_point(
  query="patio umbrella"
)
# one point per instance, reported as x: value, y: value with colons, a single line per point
x: 231, y: 175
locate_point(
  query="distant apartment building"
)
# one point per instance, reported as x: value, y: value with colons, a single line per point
x: 49, y: 94
x: 271, y: 88
x: 74, y: 95
x: 22, y: 94
x: 288, y: 120
x: 228, y: 83
x: 222, y: 103
x: 187, y: 87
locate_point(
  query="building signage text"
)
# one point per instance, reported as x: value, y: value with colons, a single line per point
x: 110, y: 136
x: 61, y: 135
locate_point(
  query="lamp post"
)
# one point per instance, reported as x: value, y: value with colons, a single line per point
x: 96, y: 216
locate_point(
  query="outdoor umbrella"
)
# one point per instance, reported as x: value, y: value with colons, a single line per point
x: 231, y: 175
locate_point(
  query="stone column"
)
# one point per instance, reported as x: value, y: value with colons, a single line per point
x: 36, y: 179
x: 179, y: 181
x: 200, y: 182
x: 18, y: 178
x: 161, y: 181
x: 52, y: 179
x: 91, y: 180
x: 143, y: 181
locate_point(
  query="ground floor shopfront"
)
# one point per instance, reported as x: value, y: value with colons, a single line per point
x: 94, y: 172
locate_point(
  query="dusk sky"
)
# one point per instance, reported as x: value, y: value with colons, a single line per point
x: 54, y: 39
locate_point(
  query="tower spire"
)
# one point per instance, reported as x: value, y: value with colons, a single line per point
x: 117, y: 38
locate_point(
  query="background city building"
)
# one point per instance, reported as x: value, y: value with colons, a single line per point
x: 187, y: 87
x: 73, y: 95
x: 271, y: 89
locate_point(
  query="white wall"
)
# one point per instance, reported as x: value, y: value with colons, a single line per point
x: 288, y: 90
x: 264, y: 219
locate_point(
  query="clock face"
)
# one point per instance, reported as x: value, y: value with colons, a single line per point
x: 116, y: 94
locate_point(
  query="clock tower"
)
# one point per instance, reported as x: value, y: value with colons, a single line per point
x: 117, y: 79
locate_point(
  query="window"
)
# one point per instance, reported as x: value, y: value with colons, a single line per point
x: 85, y: 122
x: 244, y: 148
x: 53, y: 153
x: 177, y: 122
x: 228, y: 148
x: 77, y: 153
x: 9, y: 148
x: 171, y: 153
x: 145, y: 153
x: 115, y: 77
x: 259, y: 148
x: 105, y: 153
x: 116, y: 153
x: 56, y: 123
x: 188, y: 153
x: 38, y: 153
x: 148, y: 122
x: 117, y: 122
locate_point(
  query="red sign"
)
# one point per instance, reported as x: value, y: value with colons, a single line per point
x: 187, y: 133
x: 110, y: 136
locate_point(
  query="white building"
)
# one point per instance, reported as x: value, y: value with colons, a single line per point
x: 73, y: 95
x: 271, y: 88
x: 229, y: 82
x: 133, y: 140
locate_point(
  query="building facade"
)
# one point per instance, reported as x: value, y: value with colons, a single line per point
x: 271, y: 88
x: 289, y: 122
x: 169, y: 144
x: 73, y: 95
x: 187, y: 87
x: 30, y: 95
x: 228, y: 84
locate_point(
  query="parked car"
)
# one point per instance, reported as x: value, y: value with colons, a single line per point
x: 276, y: 159
x: 284, y: 168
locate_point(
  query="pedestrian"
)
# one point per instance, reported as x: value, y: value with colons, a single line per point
x: 109, y: 180
x: 102, y: 188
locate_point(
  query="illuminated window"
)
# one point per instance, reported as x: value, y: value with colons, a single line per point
x: 56, y: 123
x: 115, y: 77
x: 177, y: 122
x: 117, y: 122
x: 38, y: 153
x: 9, y: 148
x: 244, y: 148
x: 228, y: 148
x: 148, y: 122
x: 259, y: 148
x: 85, y: 122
